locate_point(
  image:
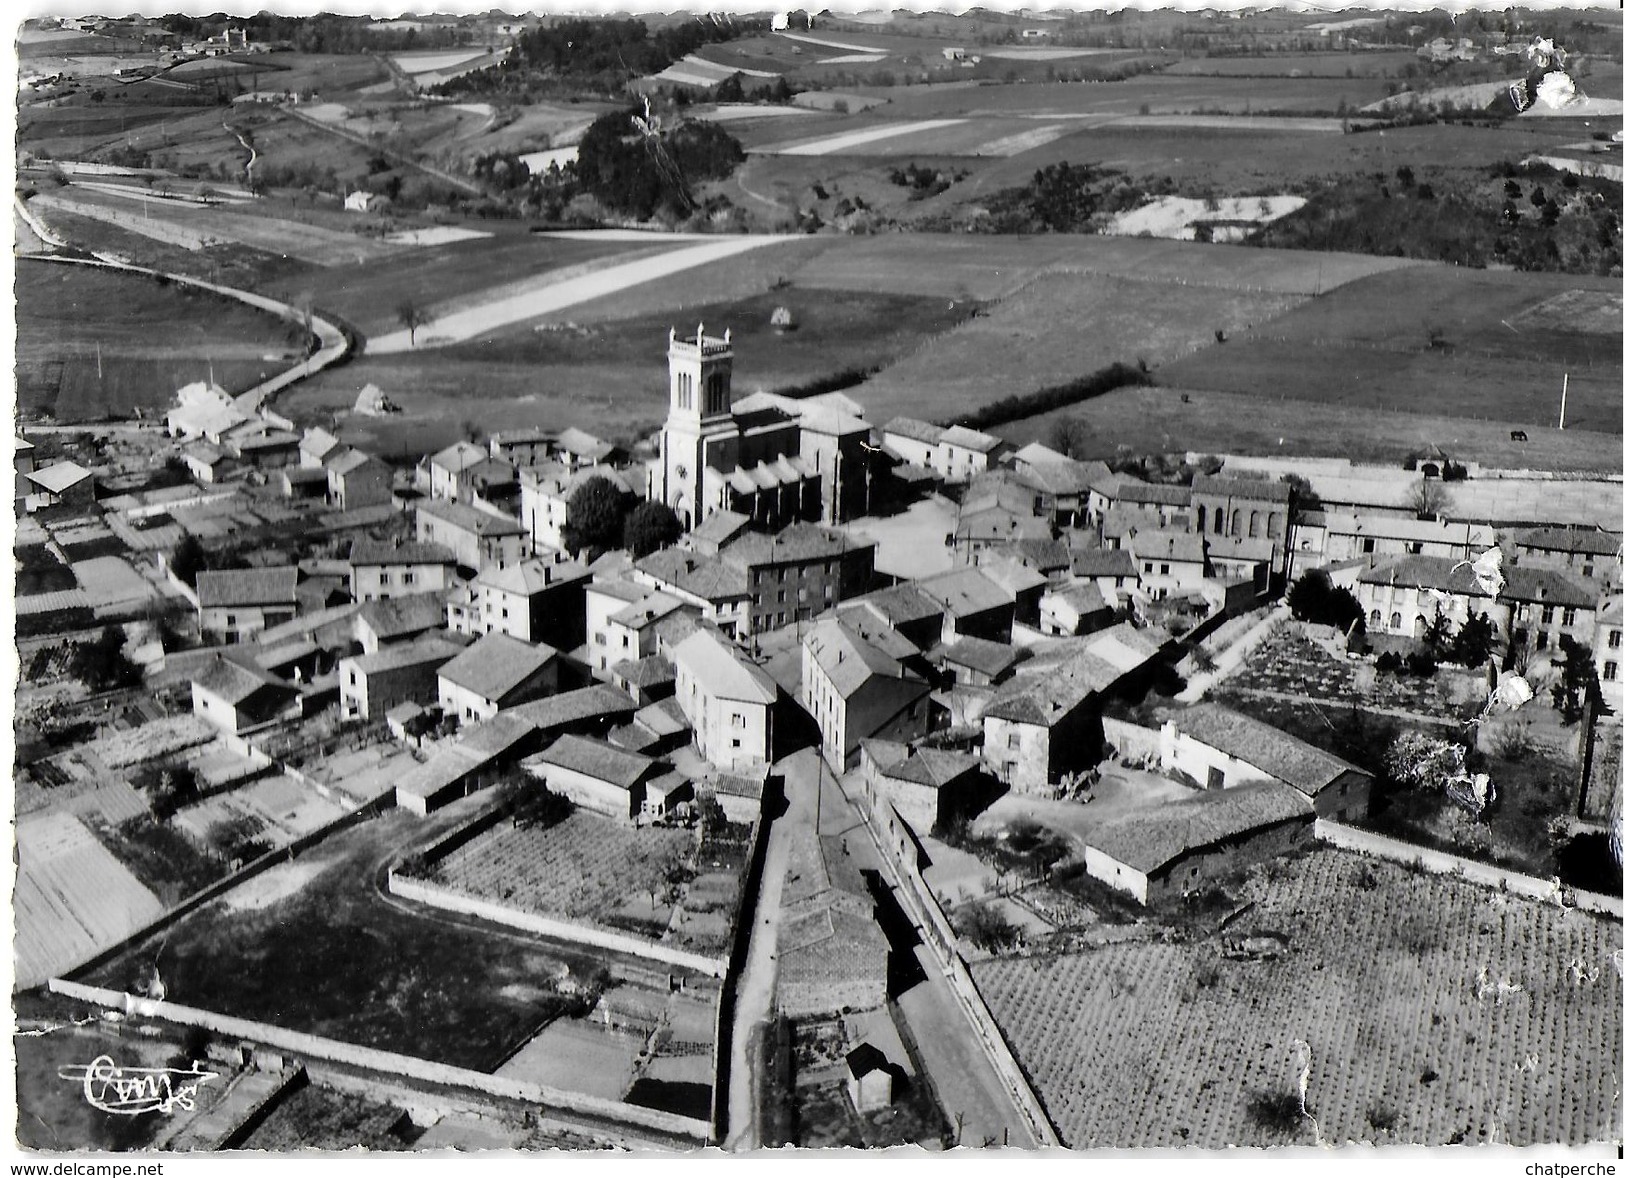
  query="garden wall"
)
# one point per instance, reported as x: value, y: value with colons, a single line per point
x: 727, y: 1000
x: 1132, y: 740
x: 1441, y: 863
x: 897, y: 843
x: 388, y: 1062
x: 564, y: 930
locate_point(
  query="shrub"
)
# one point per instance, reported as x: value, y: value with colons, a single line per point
x: 987, y: 927
x: 1313, y: 598
x: 1421, y: 664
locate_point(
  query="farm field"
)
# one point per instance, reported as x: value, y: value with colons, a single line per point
x: 72, y: 897
x: 586, y: 867
x: 1374, y: 64
x: 1059, y: 327
x: 314, y: 946
x: 1160, y: 94
x: 152, y: 340
x: 1146, y: 420
x: 1427, y: 1016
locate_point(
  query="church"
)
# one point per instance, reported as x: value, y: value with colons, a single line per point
x: 772, y: 458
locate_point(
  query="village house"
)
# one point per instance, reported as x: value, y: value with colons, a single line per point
x: 1069, y: 493
x: 1167, y: 851
x: 1607, y: 652
x: 463, y: 471
x: 356, y: 479
x: 473, y: 761
x: 619, y: 617
x: 370, y: 685
x: 954, y: 454
x: 206, y: 462
x: 1153, y: 506
x: 577, y: 448
x: 306, y: 483
x: 382, y: 569
x: 854, y: 690
x: 927, y: 787
x: 972, y: 604
x: 772, y: 458
x: 1170, y: 562
x: 496, y: 672
x: 1077, y: 608
x: 522, y: 447
x: 597, y: 776
x: 799, y: 573
x: 236, y: 696
x: 1356, y: 534
x: 536, y: 600
x: 868, y: 1074
x: 645, y: 680
x: 314, y: 447
x: 1022, y: 582
x: 719, y: 530
x: 259, y: 444
x: 1578, y: 552
x: 728, y: 700
x: 235, y: 604
x: 981, y: 663
x: 595, y: 711
x: 1114, y: 570
x: 1044, y: 725
x: 203, y: 410
x: 718, y: 589
x: 545, y: 493
x: 479, y: 539
x: 399, y: 619
x: 62, y: 484
x: 1226, y: 505
x: 1217, y: 748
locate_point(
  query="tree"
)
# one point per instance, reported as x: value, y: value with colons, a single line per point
x: 1577, y: 680
x: 1307, y: 499
x: 1436, y: 636
x: 987, y: 927
x: 1475, y: 641
x: 595, y: 512
x: 650, y: 526
x: 1420, y: 761
x: 1068, y: 435
x: 731, y: 88
x: 1313, y: 598
x: 102, y: 665
x: 410, y: 316
x: 1429, y: 499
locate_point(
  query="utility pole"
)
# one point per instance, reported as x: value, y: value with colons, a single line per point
x: 1563, y: 408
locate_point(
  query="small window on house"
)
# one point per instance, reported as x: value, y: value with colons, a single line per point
x: 1014, y: 740
x: 600, y: 640
x: 1610, y: 671
x: 354, y: 679
x: 1540, y: 640
x: 1165, y: 570
x: 736, y: 742
x: 1568, y: 617
x: 738, y: 720
x: 409, y: 578
x: 1547, y: 613
x: 1368, y: 545
x: 1613, y: 639
x: 1215, y: 777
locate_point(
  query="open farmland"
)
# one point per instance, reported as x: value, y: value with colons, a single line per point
x: 1147, y: 420
x: 314, y: 946
x: 1379, y: 64
x: 1438, y: 339
x: 1057, y: 328
x: 93, y: 343
x: 1394, y: 992
x: 72, y: 897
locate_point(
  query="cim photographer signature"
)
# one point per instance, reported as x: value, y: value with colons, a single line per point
x: 130, y: 1092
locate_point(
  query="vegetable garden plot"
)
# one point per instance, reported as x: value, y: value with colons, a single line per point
x: 1434, y: 1011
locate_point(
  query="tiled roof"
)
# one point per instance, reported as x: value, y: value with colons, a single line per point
x: 569, y: 707
x: 970, y: 439
x: 934, y: 768
x: 317, y: 442
x: 1150, y: 838
x: 1407, y: 529
x: 1241, y: 487
x: 582, y: 444
x: 530, y: 577
x: 664, y: 718
x: 1085, y: 597
x: 1010, y: 571
x: 471, y: 519
x: 963, y: 592
x: 394, y: 552
x: 404, y: 615
x: 1426, y: 572
x: 899, y: 605
x: 458, y: 457
x: 1585, y: 541
x: 1254, y: 548
x: 1537, y: 586
x: 797, y: 543
x: 990, y: 658
x: 650, y: 671
x: 434, y: 651
x: 597, y: 759
x: 1103, y: 562
x: 496, y: 664
x: 874, y: 628
x: 701, y: 576
x: 1185, y: 547
x: 1165, y: 494
x: 58, y: 477
x: 234, y: 681
x: 1281, y: 755
x: 263, y: 586
x: 1045, y: 697
x: 722, y: 671
x: 348, y: 462
x: 913, y: 429
x: 846, y: 659
x: 720, y: 526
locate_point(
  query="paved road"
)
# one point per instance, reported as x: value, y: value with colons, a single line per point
x: 950, y: 1052
x: 753, y: 1007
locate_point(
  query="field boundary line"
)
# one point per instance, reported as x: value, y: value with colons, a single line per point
x: 389, y: 1063
x: 1436, y: 862
x: 451, y: 900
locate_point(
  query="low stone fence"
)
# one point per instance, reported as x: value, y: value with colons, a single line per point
x: 562, y: 930
x: 1381, y: 846
x: 305, y: 1045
